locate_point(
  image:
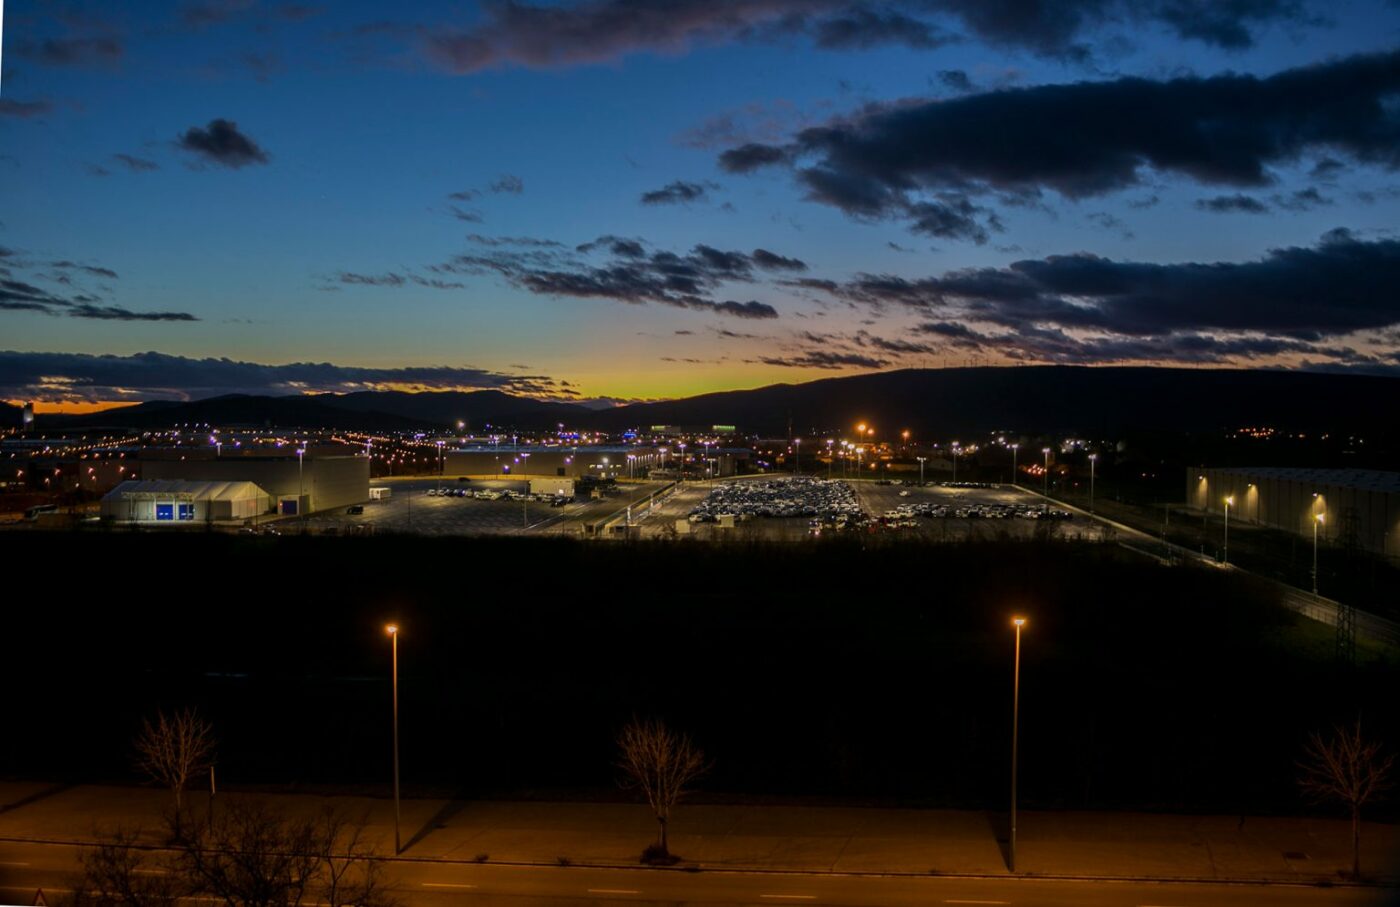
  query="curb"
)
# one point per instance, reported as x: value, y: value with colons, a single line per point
x: 704, y: 869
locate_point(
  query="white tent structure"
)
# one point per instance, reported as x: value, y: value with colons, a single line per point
x: 173, y: 502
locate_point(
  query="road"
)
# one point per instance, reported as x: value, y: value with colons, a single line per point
x: 25, y: 867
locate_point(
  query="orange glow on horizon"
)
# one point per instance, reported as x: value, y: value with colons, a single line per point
x: 73, y: 407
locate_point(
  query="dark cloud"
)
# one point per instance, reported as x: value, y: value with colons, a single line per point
x: 677, y: 193
x: 508, y: 183
x: 632, y: 275
x: 117, y: 313
x: 518, y: 33
x: 94, y: 270
x: 147, y: 376
x: 135, y: 164
x: 9, y: 107
x: 1092, y: 138
x: 392, y: 279
x: 770, y: 261
x: 221, y: 143
x: 824, y: 359
x: 1225, y: 204
x: 465, y: 215
x: 957, y: 80
x: 72, y: 51
x: 521, y: 241
x: 1341, y: 285
x: 26, y: 292
x: 861, y: 28
x: 1302, y: 200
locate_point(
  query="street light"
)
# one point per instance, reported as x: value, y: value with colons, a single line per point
x: 393, y: 631
x: 1226, y: 554
x: 797, y: 455
x: 1092, y: 459
x: 1046, y: 477
x: 1018, y: 622
x: 525, y: 500
x: 955, y: 462
x: 828, y: 459
x: 1318, y: 520
x: 921, y: 470
x: 1014, y: 448
x: 439, y: 447
x: 301, y: 486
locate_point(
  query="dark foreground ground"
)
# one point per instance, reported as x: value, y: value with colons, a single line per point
x: 829, y: 670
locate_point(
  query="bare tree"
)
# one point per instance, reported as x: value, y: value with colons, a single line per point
x: 174, y: 749
x: 120, y: 873
x: 1347, y: 768
x: 251, y: 856
x: 662, y: 764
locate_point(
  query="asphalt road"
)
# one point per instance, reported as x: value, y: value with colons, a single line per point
x: 26, y: 867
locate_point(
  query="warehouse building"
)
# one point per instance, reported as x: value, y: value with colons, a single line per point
x: 174, y: 502
x: 597, y: 461
x: 1346, y: 506
x: 296, y: 485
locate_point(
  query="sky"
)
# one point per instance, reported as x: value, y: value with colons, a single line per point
x: 615, y: 200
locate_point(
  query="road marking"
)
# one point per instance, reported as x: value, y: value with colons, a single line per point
x: 12, y: 863
x: 613, y: 891
x: 790, y: 897
x: 151, y: 872
x: 957, y: 901
x: 445, y: 885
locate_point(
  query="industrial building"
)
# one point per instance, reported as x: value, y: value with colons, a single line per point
x: 179, y: 502
x: 1345, y: 506
x: 597, y: 461
x: 295, y: 484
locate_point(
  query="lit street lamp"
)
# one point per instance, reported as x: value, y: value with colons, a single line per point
x: 301, y: 486
x: 921, y: 470
x: 955, y: 462
x: 440, y: 467
x: 1092, y: 459
x: 1226, y: 554
x: 1046, y: 477
x: 797, y: 455
x: 1317, y: 521
x: 1014, y: 448
x: 1019, y: 622
x: 525, y: 500
x: 393, y: 631
x: 828, y: 459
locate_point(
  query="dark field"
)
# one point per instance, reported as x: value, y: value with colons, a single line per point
x: 825, y: 669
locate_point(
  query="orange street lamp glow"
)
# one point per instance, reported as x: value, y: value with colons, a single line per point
x: 1019, y: 621
x: 391, y: 629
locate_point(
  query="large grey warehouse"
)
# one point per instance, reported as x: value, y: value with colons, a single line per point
x: 1344, y: 505
x: 295, y: 485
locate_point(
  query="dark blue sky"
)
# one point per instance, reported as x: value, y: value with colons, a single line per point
x: 634, y: 199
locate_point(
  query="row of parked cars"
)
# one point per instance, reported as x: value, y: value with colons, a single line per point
x: 966, y: 511
x: 800, y: 496
x: 499, y: 494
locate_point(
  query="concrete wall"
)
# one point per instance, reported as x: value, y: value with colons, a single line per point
x: 1294, y: 505
x: 327, y: 482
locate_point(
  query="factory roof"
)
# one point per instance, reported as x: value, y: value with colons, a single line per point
x: 182, y: 488
x: 1359, y: 479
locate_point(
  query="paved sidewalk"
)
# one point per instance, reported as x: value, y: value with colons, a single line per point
x: 778, y: 838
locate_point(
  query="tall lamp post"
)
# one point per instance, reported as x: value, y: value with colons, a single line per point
x: 525, y: 500
x: 921, y: 470
x: 440, y: 467
x: 301, y: 485
x: 797, y: 455
x: 1317, y: 521
x: 1046, y: 477
x: 828, y: 459
x: 955, y: 462
x: 1092, y: 459
x: 1226, y: 554
x: 1018, y: 622
x: 393, y: 631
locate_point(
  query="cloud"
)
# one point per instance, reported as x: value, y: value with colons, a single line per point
x: 539, y: 35
x: 1291, y: 295
x: 824, y: 360
x: 22, y: 290
x: 678, y: 192
x: 221, y: 143
x: 1302, y: 200
x: 104, y: 51
x: 1225, y: 204
x: 508, y: 183
x: 1090, y: 138
x: 632, y: 274
x: 391, y: 279
x: 135, y: 164
x: 9, y: 107
x: 957, y: 80
x: 72, y: 377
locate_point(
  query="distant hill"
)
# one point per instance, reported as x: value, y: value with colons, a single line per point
x: 1103, y: 401
x: 477, y: 409
x: 1060, y: 399
x: 239, y: 409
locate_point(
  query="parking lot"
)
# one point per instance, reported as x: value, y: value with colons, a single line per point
x: 412, y: 509
x: 932, y: 512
